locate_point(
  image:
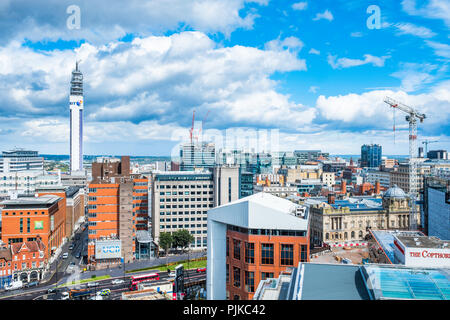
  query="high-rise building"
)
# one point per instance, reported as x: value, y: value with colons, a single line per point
x: 19, y: 160
x: 436, y: 203
x: 371, y: 155
x: 438, y: 154
x: 76, y: 120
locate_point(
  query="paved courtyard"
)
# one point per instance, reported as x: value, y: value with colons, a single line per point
x: 355, y: 254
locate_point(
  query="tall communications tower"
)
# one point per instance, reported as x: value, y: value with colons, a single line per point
x: 76, y: 121
x: 411, y: 118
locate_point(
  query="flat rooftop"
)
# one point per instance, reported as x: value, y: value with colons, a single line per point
x: 386, y: 238
x: 45, y: 200
x: 424, y: 242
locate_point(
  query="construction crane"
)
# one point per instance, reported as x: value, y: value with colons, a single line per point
x: 203, y: 123
x: 411, y: 118
x: 426, y: 142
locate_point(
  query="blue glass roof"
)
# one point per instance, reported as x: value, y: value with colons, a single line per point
x: 358, y: 206
x: 407, y: 283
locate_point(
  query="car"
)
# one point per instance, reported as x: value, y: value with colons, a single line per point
x: 65, y: 295
x: 65, y: 255
x: 32, y: 284
x: 117, y: 281
x: 96, y: 297
x: 71, y: 247
x: 104, y: 292
x: 92, y: 284
x: 52, y: 290
x: 172, y: 274
x: 78, y: 255
x: 201, y: 270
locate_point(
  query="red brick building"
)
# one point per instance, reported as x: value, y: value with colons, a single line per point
x: 252, y: 239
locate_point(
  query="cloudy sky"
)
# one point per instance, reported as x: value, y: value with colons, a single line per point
x: 314, y: 71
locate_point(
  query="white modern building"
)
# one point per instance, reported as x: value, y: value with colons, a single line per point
x: 20, y: 159
x: 375, y: 175
x: 256, y: 214
x: 25, y: 182
x: 76, y: 121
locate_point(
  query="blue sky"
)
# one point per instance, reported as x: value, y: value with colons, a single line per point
x: 310, y: 70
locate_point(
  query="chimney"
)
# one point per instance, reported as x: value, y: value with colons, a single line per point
x: 331, y: 198
x: 377, y: 187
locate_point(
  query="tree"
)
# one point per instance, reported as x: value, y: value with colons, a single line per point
x: 165, y: 242
x: 182, y: 238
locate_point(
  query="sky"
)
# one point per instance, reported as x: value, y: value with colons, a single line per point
x: 267, y: 73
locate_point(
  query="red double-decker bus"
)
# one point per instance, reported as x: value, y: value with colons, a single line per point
x: 135, y: 280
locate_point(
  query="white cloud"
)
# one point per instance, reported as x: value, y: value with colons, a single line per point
x: 300, y: 6
x: 414, y: 76
x: 327, y: 15
x: 290, y: 43
x: 434, y: 9
x: 440, y: 49
x: 313, y: 89
x: 347, y: 63
x: 314, y: 51
x: 409, y: 28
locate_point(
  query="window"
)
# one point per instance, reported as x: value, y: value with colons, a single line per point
x: 228, y: 247
x: 287, y: 254
x: 249, y: 252
x: 303, y: 253
x: 236, y: 277
x: 266, y: 275
x: 237, y: 249
x: 249, y: 281
x: 267, y: 253
x: 228, y: 273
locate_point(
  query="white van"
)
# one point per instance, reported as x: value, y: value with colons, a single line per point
x: 14, y: 285
x: 65, y: 255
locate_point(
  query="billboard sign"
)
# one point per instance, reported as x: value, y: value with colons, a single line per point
x: 108, y: 249
x: 38, y: 225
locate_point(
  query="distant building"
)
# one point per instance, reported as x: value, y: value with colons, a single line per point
x: 313, y: 281
x: 197, y: 156
x: 76, y: 102
x: 25, y: 182
x: 371, y: 155
x: 438, y: 154
x: 383, y: 177
x: 400, y: 177
x: 347, y: 221
x: 19, y: 160
x: 252, y: 239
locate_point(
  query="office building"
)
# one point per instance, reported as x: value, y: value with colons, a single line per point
x: 371, y: 155
x: 118, y: 208
x: 19, y: 160
x: 25, y: 182
x: 181, y: 200
x: 400, y: 176
x: 384, y: 177
x: 436, y: 207
x: 252, y: 239
x: 76, y: 102
x: 226, y: 184
x: 32, y: 218
x: 312, y: 281
x: 304, y: 156
x: 197, y: 156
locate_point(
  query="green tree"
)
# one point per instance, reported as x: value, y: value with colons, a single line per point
x: 182, y: 238
x: 165, y: 242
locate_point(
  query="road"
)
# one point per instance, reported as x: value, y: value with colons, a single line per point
x: 40, y: 293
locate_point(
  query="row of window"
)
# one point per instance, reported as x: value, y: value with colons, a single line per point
x: 185, y: 219
x: 267, y: 252
x: 193, y: 186
x: 168, y: 213
x: 267, y: 232
x: 185, y: 193
x: 185, y: 199
x: 168, y: 206
x: 180, y: 226
x: 21, y: 213
x: 249, y: 278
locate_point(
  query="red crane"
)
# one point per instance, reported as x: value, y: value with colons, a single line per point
x: 192, y: 127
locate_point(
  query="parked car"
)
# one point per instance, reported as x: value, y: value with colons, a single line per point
x: 117, y: 281
x: 32, y: 284
x: 65, y: 295
x: 172, y: 274
x: 71, y: 247
x: 78, y: 255
x: 201, y: 270
x: 65, y: 255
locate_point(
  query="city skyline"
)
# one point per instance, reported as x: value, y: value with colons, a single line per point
x: 252, y: 65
